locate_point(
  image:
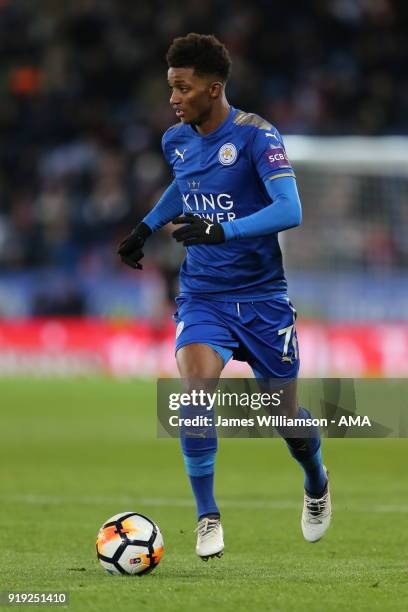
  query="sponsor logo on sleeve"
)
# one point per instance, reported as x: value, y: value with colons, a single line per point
x: 276, y: 158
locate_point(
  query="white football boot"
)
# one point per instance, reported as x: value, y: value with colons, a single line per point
x: 316, y: 515
x: 210, y: 538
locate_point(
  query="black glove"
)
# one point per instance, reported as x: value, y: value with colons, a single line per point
x: 130, y: 249
x: 197, y: 230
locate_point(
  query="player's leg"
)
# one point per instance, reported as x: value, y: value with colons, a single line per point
x: 200, y: 367
x: 304, y: 445
x: 273, y: 354
x: 204, y: 344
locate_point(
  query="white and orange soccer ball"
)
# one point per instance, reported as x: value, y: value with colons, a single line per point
x: 129, y: 543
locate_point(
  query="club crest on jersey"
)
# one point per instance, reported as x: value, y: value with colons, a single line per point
x: 227, y: 154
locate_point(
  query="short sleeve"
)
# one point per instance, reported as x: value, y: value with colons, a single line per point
x: 269, y: 155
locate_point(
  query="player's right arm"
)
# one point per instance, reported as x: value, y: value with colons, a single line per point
x: 167, y: 208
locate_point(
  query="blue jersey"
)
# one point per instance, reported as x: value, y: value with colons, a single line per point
x: 221, y: 177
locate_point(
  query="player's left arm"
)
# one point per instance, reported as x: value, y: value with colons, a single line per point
x: 273, y: 167
x: 284, y: 211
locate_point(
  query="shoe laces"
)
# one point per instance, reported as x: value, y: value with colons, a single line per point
x: 316, y: 507
x: 206, y: 527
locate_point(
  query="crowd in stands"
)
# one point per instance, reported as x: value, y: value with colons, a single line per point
x: 84, y: 103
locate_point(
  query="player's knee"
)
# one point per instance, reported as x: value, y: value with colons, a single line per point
x: 290, y: 407
x: 194, y: 382
x: 287, y: 390
x: 199, y: 366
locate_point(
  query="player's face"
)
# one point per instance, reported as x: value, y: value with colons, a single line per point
x: 192, y: 96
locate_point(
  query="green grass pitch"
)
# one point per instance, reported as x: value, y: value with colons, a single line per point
x: 74, y: 452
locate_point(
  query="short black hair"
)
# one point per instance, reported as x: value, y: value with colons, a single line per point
x: 203, y: 52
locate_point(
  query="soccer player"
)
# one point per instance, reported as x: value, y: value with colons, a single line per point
x: 233, y: 191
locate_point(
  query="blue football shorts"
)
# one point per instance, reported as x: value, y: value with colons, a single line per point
x: 261, y: 333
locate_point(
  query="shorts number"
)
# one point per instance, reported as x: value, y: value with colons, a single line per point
x: 288, y: 331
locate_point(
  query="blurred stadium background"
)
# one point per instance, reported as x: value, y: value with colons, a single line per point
x: 83, y: 105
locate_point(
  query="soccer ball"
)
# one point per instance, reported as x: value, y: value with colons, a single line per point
x: 129, y: 543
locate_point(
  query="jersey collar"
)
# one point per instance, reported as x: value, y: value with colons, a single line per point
x: 215, y: 133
